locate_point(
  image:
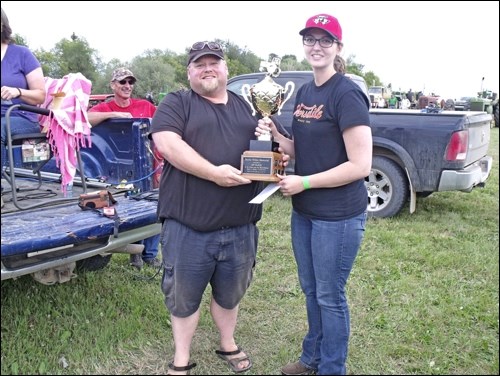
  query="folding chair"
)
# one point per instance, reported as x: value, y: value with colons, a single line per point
x: 63, y: 116
x: 18, y: 140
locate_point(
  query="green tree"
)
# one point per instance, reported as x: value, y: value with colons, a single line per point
x: 290, y: 63
x: 159, y: 71
x: 47, y: 59
x: 19, y: 40
x: 239, y: 60
x: 353, y: 67
x: 372, y: 79
x: 75, y: 56
x: 101, y: 84
x: 156, y: 72
x: 49, y: 62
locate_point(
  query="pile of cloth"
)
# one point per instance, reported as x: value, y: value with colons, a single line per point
x: 67, y: 126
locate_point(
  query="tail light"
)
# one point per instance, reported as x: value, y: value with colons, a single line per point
x: 457, y: 147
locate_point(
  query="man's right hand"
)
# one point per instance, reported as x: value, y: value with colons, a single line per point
x: 228, y: 176
x: 122, y: 115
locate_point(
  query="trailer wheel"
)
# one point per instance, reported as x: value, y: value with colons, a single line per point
x: 93, y: 263
x: 387, y: 187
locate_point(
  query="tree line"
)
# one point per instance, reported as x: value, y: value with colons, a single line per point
x: 158, y: 71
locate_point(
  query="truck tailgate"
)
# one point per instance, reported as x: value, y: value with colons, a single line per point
x: 479, y: 125
x: 37, y: 230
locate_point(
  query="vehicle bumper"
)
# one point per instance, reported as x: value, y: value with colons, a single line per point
x: 468, y: 178
x: 37, y: 261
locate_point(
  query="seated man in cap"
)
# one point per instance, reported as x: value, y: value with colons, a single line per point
x: 123, y: 106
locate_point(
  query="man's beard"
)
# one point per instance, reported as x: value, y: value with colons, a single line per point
x: 209, y: 87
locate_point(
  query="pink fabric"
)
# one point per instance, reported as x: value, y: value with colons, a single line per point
x: 68, y: 127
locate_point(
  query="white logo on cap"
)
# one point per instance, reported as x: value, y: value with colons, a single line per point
x: 322, y: 20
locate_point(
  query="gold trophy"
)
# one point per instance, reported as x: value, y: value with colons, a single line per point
x: 263, y: 161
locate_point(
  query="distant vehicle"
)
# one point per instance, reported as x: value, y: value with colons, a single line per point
x: 431, y: 100
x: 486, y: 101
x: 379, y: 96
x: 463, y: 104
x: 403, y: 102
x: 95, y: 99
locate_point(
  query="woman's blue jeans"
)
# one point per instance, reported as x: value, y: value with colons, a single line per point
x: 325, y: 252
x: 151, y: 246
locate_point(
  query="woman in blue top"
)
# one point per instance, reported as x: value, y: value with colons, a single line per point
x: 22, y: 83
x: 332, y: 147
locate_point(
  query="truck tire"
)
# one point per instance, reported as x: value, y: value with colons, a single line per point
x: 495, y: 115
x: 93, y: 263
x: 387, y: 187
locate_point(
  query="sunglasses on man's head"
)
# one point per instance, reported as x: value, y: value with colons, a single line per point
x: 201, y: 45
x: 123, y: 82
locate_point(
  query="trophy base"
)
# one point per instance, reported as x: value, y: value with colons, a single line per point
x: 261, y: 165
x: 268, y: 145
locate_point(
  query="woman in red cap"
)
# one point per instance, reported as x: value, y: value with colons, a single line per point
x: 332, y: 147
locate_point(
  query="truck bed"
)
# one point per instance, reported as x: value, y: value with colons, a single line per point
x: 53, y: 232
x: 60, y: 228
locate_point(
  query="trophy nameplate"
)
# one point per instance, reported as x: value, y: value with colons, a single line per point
x: 263, y: 162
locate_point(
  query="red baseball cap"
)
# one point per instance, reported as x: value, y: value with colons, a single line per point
x: 324, y: 22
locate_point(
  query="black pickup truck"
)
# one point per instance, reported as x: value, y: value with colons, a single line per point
x: 415, y: 152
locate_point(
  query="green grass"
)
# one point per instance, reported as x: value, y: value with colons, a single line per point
x: 423, y: 296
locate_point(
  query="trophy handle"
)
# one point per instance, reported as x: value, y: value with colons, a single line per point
x: 247, y: 96
x: 289, y: 88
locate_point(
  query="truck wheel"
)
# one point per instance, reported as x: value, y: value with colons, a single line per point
x: 387, y: 187
x: 495, y: 115
x: 93, y: 263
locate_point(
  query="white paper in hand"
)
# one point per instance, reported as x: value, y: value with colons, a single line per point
x: 266, y: 192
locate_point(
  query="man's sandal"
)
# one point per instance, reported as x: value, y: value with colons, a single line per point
x: 234, y: 362
x: 180, y: 369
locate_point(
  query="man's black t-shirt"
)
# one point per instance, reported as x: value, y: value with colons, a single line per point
x: 220, y: 133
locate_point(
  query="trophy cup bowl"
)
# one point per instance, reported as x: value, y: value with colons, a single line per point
x: 263, y: 162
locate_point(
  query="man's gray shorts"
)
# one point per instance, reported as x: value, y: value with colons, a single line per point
x: 225, y: 258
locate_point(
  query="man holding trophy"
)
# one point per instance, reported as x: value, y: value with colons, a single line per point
x: 332, y: 146
x: 209, y: 232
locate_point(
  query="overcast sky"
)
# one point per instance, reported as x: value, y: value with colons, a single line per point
x: 441, y: 47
